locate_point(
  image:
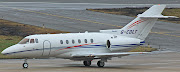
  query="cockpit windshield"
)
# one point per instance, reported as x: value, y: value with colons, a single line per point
x: 24, y: 41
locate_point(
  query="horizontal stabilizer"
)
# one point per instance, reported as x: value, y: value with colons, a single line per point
x: 158, y: 16
x: 155, y: 12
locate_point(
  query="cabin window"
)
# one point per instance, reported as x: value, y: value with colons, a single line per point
x: 61, y: 41
x: 67, y: 42
x: 85, y: 40
x: 91, y: 40
x: 79, y: 41
x: 24, y: 41
x: 36, y: 40
x: 32, y: 41
x: 73, y: 41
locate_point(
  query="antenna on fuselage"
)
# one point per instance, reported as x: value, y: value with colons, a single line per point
x: 86, y: 32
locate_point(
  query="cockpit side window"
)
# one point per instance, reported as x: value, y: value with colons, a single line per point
x: 24, y: 41
x: 32, y: 41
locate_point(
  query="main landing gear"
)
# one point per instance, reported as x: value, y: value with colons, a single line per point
x: 99, y: 63
x: 25, y: 64
x: 87, y: 63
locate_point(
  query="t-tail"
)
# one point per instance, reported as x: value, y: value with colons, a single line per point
x: 141, y: 26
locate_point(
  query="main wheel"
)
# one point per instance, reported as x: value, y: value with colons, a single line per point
x: 25, y: 65
x: 100, y: 64
x: 87, y: 63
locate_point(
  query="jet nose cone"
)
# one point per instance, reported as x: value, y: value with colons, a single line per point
x: 4, y: 52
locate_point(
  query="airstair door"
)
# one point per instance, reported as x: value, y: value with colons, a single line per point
x: 46, y: 48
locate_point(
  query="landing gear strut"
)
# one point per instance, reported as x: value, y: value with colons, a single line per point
x: 87, y: 63
x: 25, y: 64
x: 100, y: 63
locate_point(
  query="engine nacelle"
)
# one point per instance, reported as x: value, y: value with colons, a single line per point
x: 122, y: 43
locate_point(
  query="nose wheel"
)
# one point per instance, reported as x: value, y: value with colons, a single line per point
x: 25, y: 64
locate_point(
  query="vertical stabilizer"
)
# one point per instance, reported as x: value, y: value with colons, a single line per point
x: 141, y: 26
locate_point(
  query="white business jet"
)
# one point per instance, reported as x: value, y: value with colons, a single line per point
x: 86, y: 46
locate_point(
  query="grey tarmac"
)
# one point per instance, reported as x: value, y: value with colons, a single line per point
x: 164, y: 62
x: 103, y: 1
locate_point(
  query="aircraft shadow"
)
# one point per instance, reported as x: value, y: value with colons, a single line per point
x: 106, y: 67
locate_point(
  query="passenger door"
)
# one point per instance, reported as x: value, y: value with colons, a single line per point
x: 46, y: 48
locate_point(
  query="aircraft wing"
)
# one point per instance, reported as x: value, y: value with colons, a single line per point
x: 99, y: 55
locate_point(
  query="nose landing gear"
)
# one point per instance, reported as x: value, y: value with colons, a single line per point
x: 25, y: 64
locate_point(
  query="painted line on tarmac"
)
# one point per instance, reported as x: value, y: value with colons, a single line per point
x: 66, y: 17
x: 162, y: 33
x: 61, y: 16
